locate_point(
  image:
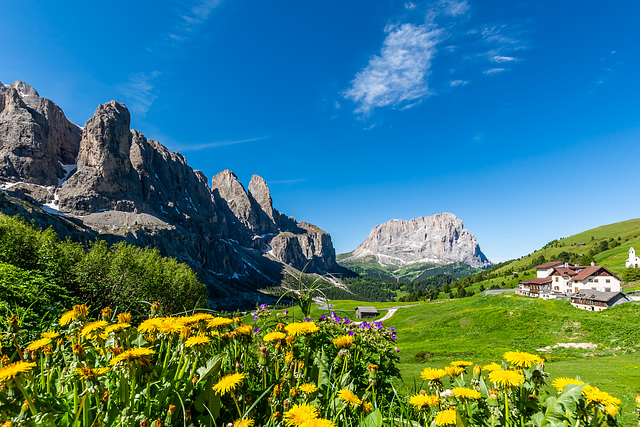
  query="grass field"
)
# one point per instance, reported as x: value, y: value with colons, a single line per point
x: 481, y: 329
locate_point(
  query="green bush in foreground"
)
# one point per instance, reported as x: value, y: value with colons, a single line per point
x: 39, y: 271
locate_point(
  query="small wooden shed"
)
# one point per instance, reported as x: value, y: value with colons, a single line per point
x: 366, y: 312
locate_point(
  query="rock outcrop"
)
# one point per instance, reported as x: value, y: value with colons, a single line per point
x: 127, y: 187
x: 38, y: 144
x: 438, y: 239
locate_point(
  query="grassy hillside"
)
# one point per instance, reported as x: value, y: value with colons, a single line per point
x: 370, y: 267
x: 627, y: 233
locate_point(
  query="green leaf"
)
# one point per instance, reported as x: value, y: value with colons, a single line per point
x: 559, y: 408
x: 211, y: 368
x: 374, y: 419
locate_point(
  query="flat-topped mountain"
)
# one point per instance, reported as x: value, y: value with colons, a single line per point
x: 112, y: 180
x: 430, y: 241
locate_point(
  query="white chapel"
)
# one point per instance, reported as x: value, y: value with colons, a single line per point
x: 634, y: 260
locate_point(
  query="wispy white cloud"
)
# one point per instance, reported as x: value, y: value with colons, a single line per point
x: 398, y: 74
x: 139, y: 91
x: 454, y: 7
x: 204, y: 146
x: 409, y: 5
x: 454, y: 83
x: 288, y: 181
x: 501, y: 59
x: 494, y: 70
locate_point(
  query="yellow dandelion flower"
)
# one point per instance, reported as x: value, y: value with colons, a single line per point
x: 421, y: 400
x: 88, y: 372
x: 134, y: 356
x: 299, y: 414
x: 446, y: 418
x: 308, y: 388
x: 318, y: 422
x: 273, y: 336
x: 198, y: 317
x: 367, y: 407
x: 51, y: 335
x: 522, y: 359
x: 301, y: 328
x: 228, y: 383
x: 170, y: 326
x: 288, y: 357
x: 198, y: 340
x: 466, y: 393
x: 247, y: 422
x: 150, y: 325
x: 461, y: 363
x: 594, y: 394
x: 14, y: 369
x: 349, y: 397
x: 493, y: 366
x: 453, y: 370
x: 38, y: 344
x: 117, y: 328
x: 343, y: 341
x: 506, y: 379
x: 431, y: 374
x: 217, y: 322
x: 93, y: 329
x: 244, y: 329
x: 66, y: 318
x: 562, y: 382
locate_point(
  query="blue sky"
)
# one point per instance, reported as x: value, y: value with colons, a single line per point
x: 520, y: 117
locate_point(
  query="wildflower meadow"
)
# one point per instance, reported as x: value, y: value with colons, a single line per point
x: 96, y: 368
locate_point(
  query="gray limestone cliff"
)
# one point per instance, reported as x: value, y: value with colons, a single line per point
x: 114, y: 181
x: 438, y: 239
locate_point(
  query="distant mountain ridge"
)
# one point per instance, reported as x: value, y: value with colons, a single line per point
x: 112, y: 180
x: 420, y: 244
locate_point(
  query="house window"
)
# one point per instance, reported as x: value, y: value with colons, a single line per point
x: 608, y: 280
x: 596, y: 280
x: 591, y: 280
x: 557, y: 278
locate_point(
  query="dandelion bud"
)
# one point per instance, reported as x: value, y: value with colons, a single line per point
x: 187, y: 415
x: 238, y: 320
x: 25, y: 406
x: 155, y: 308
x: 105, y: 396
x: 172, y: 409
x: 493, y: 398
x: 280, y: 327
x: 13, y: 325
x: 477, y: 370
x: 285, y: 405
x: 157, y: 423
x: 124, y: 318
x: 107, y: 313
x: 145, y: 422
x: 276, y: 415
x: 264, y: 356
x: 80, y: 312
x: 194, y: 380
x: 293, y: 392
x: 423, y: 393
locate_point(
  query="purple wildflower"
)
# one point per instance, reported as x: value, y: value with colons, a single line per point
x: 351, y: 333
x: 307, y: 319
x: 255, y: 317
x: 263, y: 306
x: 346, y: 321
x: 323, y: 317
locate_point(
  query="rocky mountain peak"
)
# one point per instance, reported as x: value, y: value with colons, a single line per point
x: 438, y: 239
x: 112, y: 180
x: 260, y: 192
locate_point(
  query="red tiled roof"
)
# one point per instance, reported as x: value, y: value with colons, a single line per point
x: 537, y: 280
x: 549, y: 264
x: 591, y: 271
x: 564, y: 271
